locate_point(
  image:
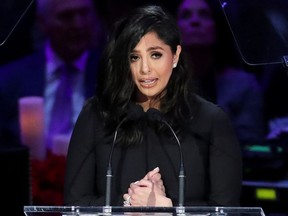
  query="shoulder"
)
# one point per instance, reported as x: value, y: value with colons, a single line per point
x: 202, y: 106
x: 206, y: 114
x: 19, y: 74
x: 26, y: 63
x: 91, y: 105
x: 237, y: 74
x: 212, y: 122
x: 91, y: 110
x: 32, y: 58
x: 239, y: 79
x: 89, y: 120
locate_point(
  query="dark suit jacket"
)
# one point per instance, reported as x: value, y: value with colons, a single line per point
x: 211, y: 152
x: 26, y: 77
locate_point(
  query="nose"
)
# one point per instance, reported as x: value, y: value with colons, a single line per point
x: 145, y: 69
x: 77, y: 20
x: 195, y: 19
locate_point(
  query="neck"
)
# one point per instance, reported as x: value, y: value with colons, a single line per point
x: 149, y: 104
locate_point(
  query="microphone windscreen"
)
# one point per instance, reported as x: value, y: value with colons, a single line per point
x: 154, y: 115
x: 134, y: 112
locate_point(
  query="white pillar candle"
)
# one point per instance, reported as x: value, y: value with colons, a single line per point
x: 31, y: 116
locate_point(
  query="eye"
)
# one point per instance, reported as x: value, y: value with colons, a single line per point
x: 185, y: 14
x: 156, y: 55
x: 65, y: 16
x: 205, y: 14
x: 133, y: 58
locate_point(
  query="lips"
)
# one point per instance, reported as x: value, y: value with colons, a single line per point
x: 148, y: 82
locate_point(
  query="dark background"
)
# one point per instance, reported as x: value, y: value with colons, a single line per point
x: 15, y: 181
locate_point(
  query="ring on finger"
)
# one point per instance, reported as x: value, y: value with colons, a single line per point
x: 127, y: 201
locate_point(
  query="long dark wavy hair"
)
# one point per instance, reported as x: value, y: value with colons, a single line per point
x: 116, y: 88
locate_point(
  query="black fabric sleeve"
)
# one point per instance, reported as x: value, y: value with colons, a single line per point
x: 80, y: 179
x: 225, y: 162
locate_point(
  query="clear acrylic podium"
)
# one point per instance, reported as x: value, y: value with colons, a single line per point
x: 141, y: 211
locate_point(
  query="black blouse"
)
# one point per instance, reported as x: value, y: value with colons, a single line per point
x: 211, y: 153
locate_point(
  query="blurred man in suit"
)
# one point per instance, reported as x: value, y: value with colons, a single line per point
x: 68, y: 27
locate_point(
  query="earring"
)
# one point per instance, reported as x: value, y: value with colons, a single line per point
x: 175, y: 65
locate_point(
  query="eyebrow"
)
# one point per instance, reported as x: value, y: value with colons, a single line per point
x: 151, y: 48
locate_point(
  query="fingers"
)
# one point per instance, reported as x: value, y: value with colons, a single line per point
x: 139, y: 192
x: 141, y: 183
x: 151, y: 173
x: 127, y: 200
x: 157, y: 187
x: 126, y: 196
x: 144, y: 196
x: 155, y: 177
x: 145, y: 192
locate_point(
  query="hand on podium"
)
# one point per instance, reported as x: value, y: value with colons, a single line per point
x: 149, y: 191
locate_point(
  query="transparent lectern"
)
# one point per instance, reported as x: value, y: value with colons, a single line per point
x: 141, y: 211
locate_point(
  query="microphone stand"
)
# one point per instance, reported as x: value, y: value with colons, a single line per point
x: 109, y: 171
x: 181, y: 175
x: 133, y: 113
x: 180, y: 209
x: 107, y: 208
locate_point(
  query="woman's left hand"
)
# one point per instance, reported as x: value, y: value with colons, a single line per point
x: 149, y: 191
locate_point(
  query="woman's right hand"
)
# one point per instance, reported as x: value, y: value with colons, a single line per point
x: 149, y: 191
x: 155, y: 177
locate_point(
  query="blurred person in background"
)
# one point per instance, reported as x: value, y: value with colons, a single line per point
x: 275, y: 87
x: 62, y: 71
x: 68, y: 34
x: 218, y: 72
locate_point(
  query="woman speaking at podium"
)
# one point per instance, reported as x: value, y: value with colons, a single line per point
x: 145, y: 122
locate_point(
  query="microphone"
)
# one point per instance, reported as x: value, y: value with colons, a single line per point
x: 154, y: 114
x: 134, y: 112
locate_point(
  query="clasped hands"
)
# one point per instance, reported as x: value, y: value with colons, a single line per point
x: 149, y: 191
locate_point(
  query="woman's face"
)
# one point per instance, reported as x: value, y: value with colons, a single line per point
x: 196, y: 23
x: 151, y: 64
